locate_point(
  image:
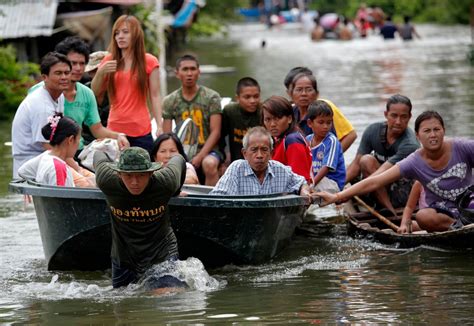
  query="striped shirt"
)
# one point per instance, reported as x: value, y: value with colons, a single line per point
x: 239, y: 179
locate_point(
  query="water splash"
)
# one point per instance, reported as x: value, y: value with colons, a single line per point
x: 65, y: 286
x: 191, y: 271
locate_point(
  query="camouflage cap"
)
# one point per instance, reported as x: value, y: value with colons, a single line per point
x: 94, y: 60
x: 135, y: 159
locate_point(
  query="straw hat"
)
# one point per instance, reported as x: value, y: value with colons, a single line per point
x: 94, y: 60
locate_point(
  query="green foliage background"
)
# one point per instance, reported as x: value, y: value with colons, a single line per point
x: 15, y: 79
x: 212, y: 18
x: 214, y: 14
x: 433, y: 11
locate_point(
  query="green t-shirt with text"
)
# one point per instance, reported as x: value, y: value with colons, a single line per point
x: 141, y: 229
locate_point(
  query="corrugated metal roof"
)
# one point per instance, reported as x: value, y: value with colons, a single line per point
x: 119, y: 2
x: 27, y: 18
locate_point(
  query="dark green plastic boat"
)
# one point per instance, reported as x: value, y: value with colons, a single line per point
x: 75, y: 225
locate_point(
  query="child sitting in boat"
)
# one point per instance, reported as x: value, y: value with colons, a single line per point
x: 167, y: 145
x: 329, y: 171
x: 238, y: 117
x: 50, y: 167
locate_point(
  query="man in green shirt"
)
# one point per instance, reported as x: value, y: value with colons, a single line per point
x: 137, y: 192
x: 203, y: 106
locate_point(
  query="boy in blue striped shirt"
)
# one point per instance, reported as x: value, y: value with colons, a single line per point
x: 329, y: 171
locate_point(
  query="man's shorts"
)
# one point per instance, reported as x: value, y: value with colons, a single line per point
x: 327, y: 185
x: 165, y: 281
x: 122, y: 276
x: 399, y: 191
x: 441, y: 208
x: 199, y: 171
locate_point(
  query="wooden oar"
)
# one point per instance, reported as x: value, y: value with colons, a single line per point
x: 377, y: 214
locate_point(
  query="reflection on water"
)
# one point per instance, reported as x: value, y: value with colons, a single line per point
x: 325, y: 278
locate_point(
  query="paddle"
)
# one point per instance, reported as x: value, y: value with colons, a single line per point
x: 377, y: 214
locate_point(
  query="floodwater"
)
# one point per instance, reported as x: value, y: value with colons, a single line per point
x: 328, y: 278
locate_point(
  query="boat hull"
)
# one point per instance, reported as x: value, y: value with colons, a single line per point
x: 362, y: 225
x: 74, y: 224
x: 238, y: 231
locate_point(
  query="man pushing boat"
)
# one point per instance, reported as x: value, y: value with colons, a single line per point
x: 137, y: 192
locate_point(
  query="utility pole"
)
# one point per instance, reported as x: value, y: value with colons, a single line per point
x: 162, y: 46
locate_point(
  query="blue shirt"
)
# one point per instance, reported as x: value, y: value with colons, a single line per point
x: 388, y: 30
x: 329, y: 153
x: 239, y: 179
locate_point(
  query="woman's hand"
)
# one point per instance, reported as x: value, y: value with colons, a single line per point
x: 405, y: 227
x: 159, y: 130
x: 122, y: 141
x: 108, y: 67
x: 327, y: 198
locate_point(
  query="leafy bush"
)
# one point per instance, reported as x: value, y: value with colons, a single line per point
x: 15, y: 79
x: 206, y: 25
x: 145, y: 15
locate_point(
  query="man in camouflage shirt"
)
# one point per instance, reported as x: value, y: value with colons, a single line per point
x: 203, y: 106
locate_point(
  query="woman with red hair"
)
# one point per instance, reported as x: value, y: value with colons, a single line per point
x: 130, y: 76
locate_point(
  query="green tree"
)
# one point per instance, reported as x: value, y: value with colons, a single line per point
x: 15, y: 79
x: 145, y: 15
x: 434, y: 11
x: 223, y: 9
x: 212, y: 17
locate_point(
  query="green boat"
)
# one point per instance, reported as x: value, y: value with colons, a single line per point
x: 74, y: 224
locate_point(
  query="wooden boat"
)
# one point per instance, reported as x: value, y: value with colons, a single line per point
x: 74, y: 225
x: 361, y: 224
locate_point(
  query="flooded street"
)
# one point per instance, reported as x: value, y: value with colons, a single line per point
x: 330, y: 278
